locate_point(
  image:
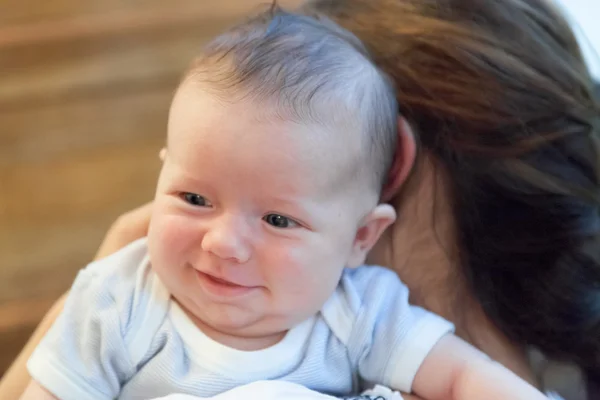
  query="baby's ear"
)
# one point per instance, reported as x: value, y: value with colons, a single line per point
x: 371, y: 229
x: 162, y: 154
x: 404, y: 159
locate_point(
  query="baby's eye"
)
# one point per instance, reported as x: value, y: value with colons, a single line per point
x: 279, y: 221
x: 195, y: 199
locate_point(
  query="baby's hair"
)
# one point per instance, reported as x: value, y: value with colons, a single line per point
x: 309, y: 70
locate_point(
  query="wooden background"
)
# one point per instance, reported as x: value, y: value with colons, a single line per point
x: 84, y: 94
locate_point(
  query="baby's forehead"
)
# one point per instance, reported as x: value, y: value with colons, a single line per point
x: 310, y: 70
x: 196, y: 105
x: 263, y: 139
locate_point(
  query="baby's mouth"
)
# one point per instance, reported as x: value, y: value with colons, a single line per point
x: 222, y: 281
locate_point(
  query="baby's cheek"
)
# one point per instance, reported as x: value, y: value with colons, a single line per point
x: 292, y: 269
x: 300, y: 285
x: 170, y: 237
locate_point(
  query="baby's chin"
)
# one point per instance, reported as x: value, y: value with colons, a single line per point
x: 244, y: 335
x: 234, y: 326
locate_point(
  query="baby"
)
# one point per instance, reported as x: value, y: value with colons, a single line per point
x: 280, y: 139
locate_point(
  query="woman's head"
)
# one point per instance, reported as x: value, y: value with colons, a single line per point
x: 497, y: 92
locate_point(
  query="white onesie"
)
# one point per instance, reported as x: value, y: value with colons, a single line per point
x: 122, y: 336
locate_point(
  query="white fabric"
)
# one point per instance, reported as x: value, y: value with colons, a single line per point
x: 263, y: 390
x: 278, y: 390
x: 121, y: 336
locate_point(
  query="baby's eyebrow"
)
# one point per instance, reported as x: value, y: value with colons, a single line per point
x: 187, y: 178
x: 297, y: 205
x: 287, y: 199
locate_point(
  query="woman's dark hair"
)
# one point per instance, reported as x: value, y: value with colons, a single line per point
x: 498, y: 91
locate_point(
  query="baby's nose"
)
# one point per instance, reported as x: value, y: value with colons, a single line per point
x: 227, y: 239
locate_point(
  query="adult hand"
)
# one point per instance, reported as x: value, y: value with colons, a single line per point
x: 128, y: 227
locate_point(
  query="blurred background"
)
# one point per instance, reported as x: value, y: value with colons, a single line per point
x: 85, y: 87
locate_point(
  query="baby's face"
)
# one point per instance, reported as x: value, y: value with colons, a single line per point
x: 248, y: 232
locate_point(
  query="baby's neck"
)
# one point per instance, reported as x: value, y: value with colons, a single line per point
x: 238, y: 342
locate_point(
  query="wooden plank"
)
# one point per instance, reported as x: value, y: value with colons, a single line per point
x: 24, y: 313
x: 31, y: 12
x: 40, y: 74
x: 11, y: 341
x: 106, y: 118
x: 54, y: 214
x: 42, y: 63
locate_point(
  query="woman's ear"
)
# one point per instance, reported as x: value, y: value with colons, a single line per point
x: 162, y: 154
x: 371, y: 229
x: 404, y: 159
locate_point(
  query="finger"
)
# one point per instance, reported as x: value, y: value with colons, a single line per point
x: 135, y: 222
